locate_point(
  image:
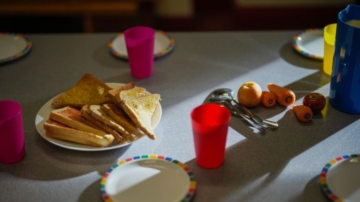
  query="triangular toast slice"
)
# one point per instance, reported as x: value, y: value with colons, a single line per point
x: 140, y: 110
x: 89, y: 90
x: 114, y: 93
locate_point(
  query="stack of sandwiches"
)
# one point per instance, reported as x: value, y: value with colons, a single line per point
x: 94, y: 114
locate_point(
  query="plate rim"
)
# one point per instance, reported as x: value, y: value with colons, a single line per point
x: 323, y: 175
x: 169, y: 48
x: 57, y: 142
x: 192, y: 185
x: 296, y: 46
x: 22, y: 52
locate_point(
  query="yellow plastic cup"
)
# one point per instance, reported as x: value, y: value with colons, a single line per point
x: 329, y: 43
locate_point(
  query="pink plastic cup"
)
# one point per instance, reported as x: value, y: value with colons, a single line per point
x: 210, y: 123
x: 12, y: 140
x: 140, y: 48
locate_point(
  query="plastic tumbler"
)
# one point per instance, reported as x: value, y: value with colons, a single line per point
x: 329, y: 43
x: 12, y: 140
x: 210, y: 123
x: 140, y: 48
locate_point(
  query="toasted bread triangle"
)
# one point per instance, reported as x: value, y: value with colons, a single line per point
x: 114, y: 93
x: 140, y: 110
x: 89, y: 90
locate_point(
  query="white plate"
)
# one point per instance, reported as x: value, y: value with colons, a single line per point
x: 340, y: 178
x: 148, y: 178
x: 163, y: 45
x: 44, y: 113
x: 310, y: 43
x: 13, y: 46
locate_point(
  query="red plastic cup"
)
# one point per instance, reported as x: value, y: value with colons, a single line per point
x: 12, y: 140
x: 140, y: 48
x: 210, y: 123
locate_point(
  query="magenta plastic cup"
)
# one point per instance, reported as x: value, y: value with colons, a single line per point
x: 210, y: 123
x: 12, y: 140
x: 140, y: 48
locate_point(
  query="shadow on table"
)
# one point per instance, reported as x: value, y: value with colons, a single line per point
x: 45, y: 161
x: 255, y: 162
x: 288, y: 54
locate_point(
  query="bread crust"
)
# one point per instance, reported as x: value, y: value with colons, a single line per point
x: 72, y: 117
x: 60, y: 131
x: 101, y: 116
x: 114, y: 93
x: 122, y: 118
x: 86, y: 112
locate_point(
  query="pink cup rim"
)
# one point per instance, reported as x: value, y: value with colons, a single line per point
x: 146, y: 32
x: 223, y: 108
x: 15, y: 107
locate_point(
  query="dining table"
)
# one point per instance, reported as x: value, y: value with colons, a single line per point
x: 281, y: 165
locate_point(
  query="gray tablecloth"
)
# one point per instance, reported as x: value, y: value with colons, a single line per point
x: 280, y: 166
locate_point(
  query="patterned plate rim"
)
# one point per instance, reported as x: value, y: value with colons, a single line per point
x: 296, y: 46
x: 21, y: 53
x: 192, y: 184
x: 161, y: 53
x: 323, y: 180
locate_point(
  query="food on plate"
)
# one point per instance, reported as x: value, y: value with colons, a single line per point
x: 86, y: 112
x: 303, y: 113
x: 73, y: 118
x: 268, y: 99
x: 249, y: 94
x: 114, y: 93
x: 140, y: 110
x: 101, y: 116
x: 120, y: 115
x: 88, y: 90
x: 59, y: 131
x: 315, y: 101
x: 284, y: 96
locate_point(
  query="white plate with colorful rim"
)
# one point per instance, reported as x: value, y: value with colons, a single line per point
x: 148, y: 178
x: 43, y: 115
x: 13, y: 46
x: 163, y: 44
x: 310, y: 43
x: 340, y: 178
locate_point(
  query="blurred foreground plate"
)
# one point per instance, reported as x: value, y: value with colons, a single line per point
x: 340, y: 178
x: 148, y: 178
